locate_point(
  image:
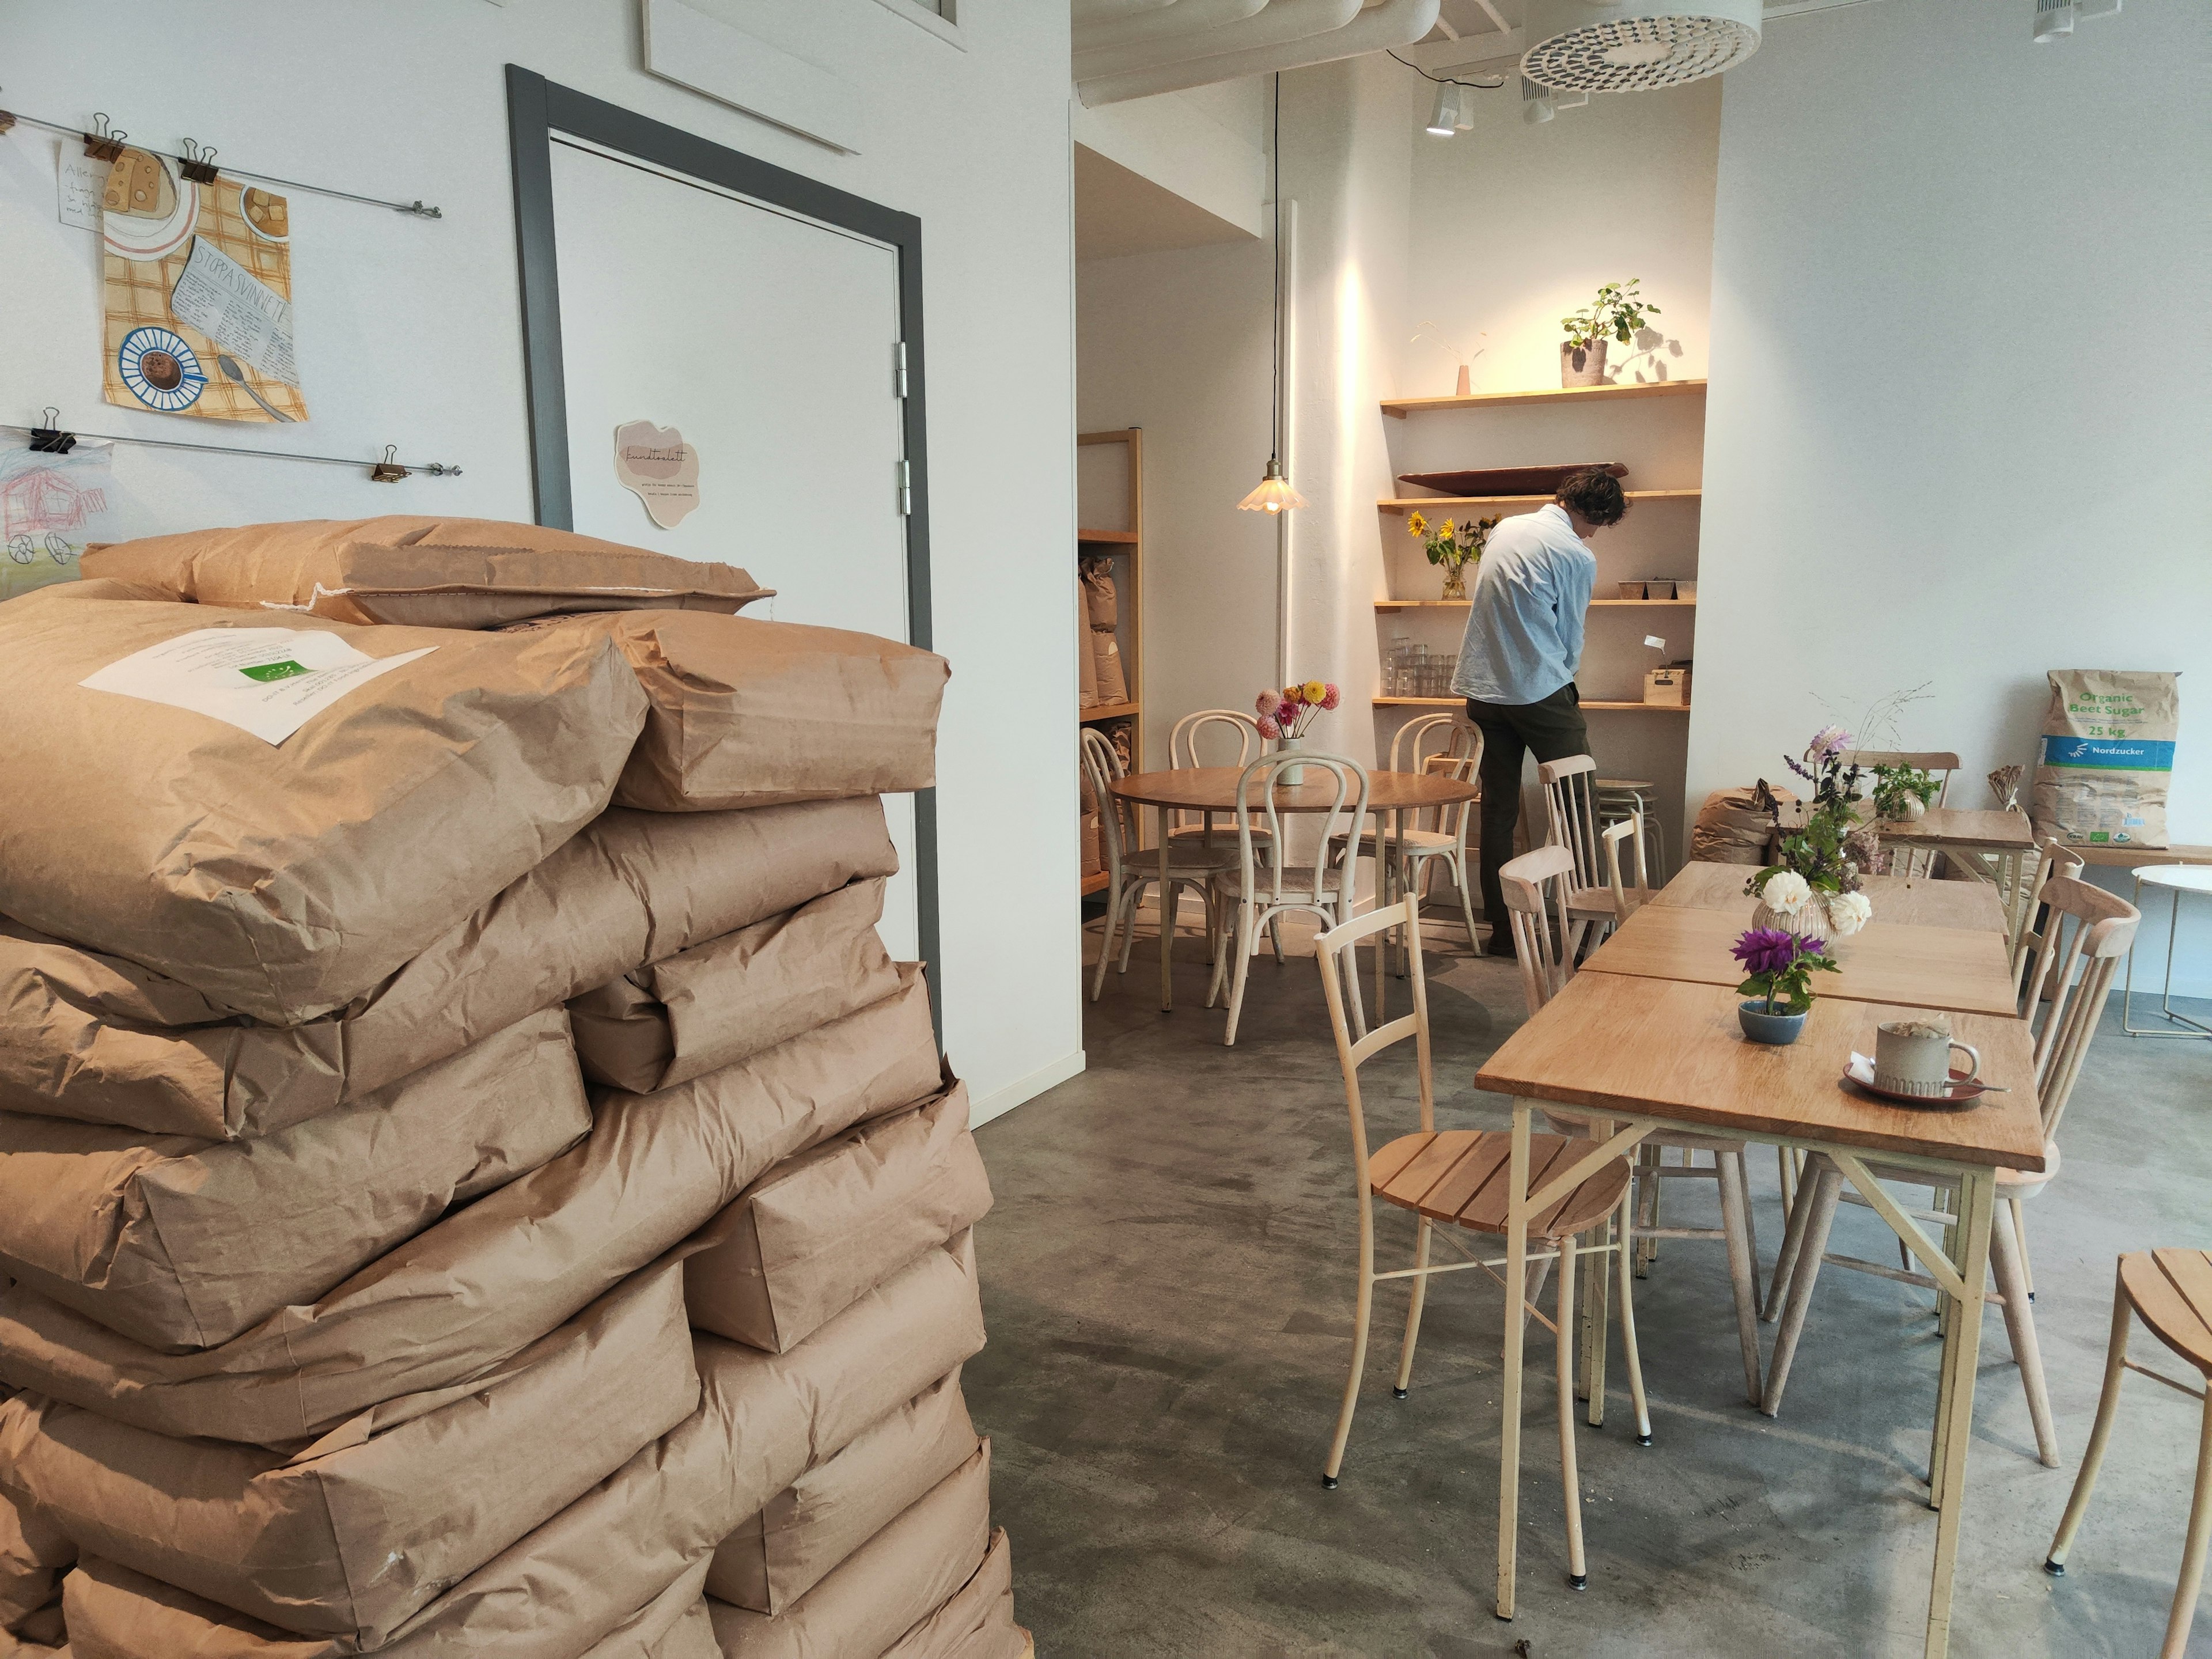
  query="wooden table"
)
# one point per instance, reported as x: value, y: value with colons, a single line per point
x: 1992, y: 846
x: 1917, y: 903
x: 1961, y: 968
x: 1673, y: 1057
x: 1212, y: 789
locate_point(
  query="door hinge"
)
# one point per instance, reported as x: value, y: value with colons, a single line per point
x: 906, y: 490
x: 898, y: 369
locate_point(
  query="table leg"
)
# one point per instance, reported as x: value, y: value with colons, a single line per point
x: 1382, y: 886
x: 1167, y: 920
x: 1976, y: 1208
x: 1517, y: 1320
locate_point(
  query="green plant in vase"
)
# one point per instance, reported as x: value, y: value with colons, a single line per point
x: 1901, y: 793
x: 1452, y: 547
x: 1617, y: 311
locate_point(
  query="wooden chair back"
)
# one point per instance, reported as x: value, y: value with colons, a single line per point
x: 1621, y: 830
x: 2087, y: 932
x: 1102, y: 765
x: 1334, y: 950
x: 1523, y: 880
x: 1429, y: 735
x: 1938, y: 762
x: 1216, y: 726
x: 1346, y: 818
x: 2052, y: 857
x: 1570, y: 803
x: 1462, y: 765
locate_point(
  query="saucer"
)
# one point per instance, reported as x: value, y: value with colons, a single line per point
x: 1962, y: 1092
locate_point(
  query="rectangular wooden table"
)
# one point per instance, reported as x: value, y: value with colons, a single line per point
x: 1673, y: 1057
x: 1952, y: 968
x: 1919, y: 902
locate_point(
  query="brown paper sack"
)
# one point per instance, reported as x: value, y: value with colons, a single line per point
x: 102, y: 1040
x: 717, y: 1003
x: 674, y: 1624
x: 977, y: 1622
x: 814, y: 1232
x: 34, y: 1554
x: 747, y: 713
x: 1101, y: 604
x: 2106, y: 768
x: 499, y: 1273
x: 1086, y: 663
x: 181, y: 1244
x: 283, y: 880
x: 359, y: 1531
x: 761, y: 1419
x: 1106, y: 651
x: 842, y: 1501
x: 421, y: 573
x: 891, y: 1583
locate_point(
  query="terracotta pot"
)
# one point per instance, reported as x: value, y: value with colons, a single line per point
x: 1582, y: 365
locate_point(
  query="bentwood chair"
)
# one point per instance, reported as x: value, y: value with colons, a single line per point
x: 1454, y: 1181
x: 1215, y: 729
x: 1595, y: 906
x: 1262, y: 891
x: 1524, y: 882
x: 2088, y: 931
x: 1128, y: 873
x: 1939, y: 764
x: 2170, y: 1292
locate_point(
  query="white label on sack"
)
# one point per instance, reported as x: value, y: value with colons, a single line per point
x: 268, y: 681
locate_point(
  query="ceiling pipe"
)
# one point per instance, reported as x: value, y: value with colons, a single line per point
x: 1087, y: 13
x: 1279, y: 23
x: 1393, y: 23
x: 1179, y: 17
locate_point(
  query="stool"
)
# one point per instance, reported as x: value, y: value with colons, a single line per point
x: 2170, y: 1292
x: 2177, y: 878
x: 1619, y: 798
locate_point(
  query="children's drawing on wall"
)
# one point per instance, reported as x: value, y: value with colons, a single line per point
x: 50, y: 507
x: 197, y: 281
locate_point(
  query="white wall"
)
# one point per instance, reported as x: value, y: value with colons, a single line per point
x: 409, y: 332
x: 1956, y: 434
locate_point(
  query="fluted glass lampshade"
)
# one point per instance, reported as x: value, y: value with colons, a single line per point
x: 1274, y: 493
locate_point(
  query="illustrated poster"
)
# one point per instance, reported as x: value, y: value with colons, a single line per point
x: 50, y: 507
x: 198, y: 282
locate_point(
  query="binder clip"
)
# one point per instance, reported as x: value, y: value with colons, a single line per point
x: 49, y: 439
x: 196, y: 164
x: 103, y: 144
x: 387, y: 471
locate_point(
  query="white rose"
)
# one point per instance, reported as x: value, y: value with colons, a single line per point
x: 1786, y: 892
x: 1847, y: 913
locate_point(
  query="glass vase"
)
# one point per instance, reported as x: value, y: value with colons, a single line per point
x: 1454, y: 582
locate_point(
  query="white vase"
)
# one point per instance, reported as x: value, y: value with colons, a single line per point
x: 1294, y: 773
x: 1810, y: 920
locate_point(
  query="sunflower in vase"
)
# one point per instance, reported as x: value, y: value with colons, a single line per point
x: 1452, y: 547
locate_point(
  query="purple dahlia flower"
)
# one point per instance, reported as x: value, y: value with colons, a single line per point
x: 1766, y: 950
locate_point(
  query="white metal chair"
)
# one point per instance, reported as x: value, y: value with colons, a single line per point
x: 1595, y: 906
x: 1525, y: 882
x: 1211, y: 728
x: 1910, y: 861
x: 1455, y: 1181
x: 1262, y: 891
x: 2078, y: 953
x: 1127, y: 873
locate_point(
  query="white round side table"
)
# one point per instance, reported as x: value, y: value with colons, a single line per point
x: 2177, y: 879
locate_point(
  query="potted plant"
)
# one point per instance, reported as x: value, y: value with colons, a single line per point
x: 1811, y: 890
x: 1617, y: 312
x: 1285, y: 714
x: 1779, y: 982
x: 1453, y: 548
x: 1901, y: 793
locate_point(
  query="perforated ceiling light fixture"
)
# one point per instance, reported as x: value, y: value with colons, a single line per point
x: 1636, y: 45
x: 1444, y: 118
x: 1273, y: 493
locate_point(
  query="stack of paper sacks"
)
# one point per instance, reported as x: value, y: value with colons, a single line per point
x: 471, y: 1179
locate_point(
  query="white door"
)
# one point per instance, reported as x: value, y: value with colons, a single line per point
x: 771, y: 341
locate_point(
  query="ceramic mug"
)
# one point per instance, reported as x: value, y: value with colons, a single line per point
x: 1911, y: 1057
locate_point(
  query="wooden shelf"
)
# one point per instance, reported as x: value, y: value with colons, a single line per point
x: 1094, y: 882
x: 1455, y: 703
x: 1120, y: 538
x: 1401, y: 407
x: 1107, y: 711
x: 1402, y: 504
x: 2129, y: 858
x: 1462, y: 604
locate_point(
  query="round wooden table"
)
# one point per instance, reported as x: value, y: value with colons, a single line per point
x: 1212, y: 789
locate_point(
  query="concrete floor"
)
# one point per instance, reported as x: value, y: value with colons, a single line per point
x: 1167, y: 1279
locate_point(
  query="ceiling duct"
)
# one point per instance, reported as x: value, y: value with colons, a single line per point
x: 1636, y: 45
x: 1287, y: 34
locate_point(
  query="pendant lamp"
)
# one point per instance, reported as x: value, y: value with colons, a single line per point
x: 1274, y: 494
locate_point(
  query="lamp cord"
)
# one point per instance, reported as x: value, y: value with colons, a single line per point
x: 1486, y: 84
x: 1275, y: 382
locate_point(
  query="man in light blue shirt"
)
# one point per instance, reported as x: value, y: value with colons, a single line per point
x: 1518, y: 661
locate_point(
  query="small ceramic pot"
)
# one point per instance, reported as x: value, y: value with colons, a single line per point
x: 1780, y: 1029
x: 1582, y: 365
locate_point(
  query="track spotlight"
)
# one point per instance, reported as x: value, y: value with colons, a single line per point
x: 1444, y: 119
x: 1536, y: 102
x: 2055, y: 19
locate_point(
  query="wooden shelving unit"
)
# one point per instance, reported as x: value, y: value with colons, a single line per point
x: 1125, y: 547
x: 1400, y: 408
x: 1430, y: 503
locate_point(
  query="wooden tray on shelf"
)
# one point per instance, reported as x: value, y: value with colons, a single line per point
x: 1507, y: 480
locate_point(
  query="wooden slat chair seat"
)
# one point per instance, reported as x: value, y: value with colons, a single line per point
x: 2170, y: 1292
x: 1459, y: 1179
x: 1458, y: 1176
